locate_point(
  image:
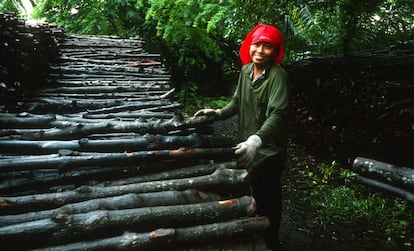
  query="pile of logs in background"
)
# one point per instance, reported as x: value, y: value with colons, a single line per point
x: 356, y: 105
x: 102, y: 159
x: 25, y: 55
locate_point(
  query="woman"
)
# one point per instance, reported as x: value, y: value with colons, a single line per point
x: 261, y: 102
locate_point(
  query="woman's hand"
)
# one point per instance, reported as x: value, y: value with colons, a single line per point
x: 246, y: 151
x: 208, y: 112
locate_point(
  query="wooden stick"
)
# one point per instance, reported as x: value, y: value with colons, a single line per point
x: 220, y: 179
x: 213, y: 237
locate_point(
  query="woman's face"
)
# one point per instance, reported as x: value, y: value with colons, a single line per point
x: 262, y: 53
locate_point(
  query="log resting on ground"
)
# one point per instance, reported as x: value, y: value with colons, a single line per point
x: 145, y: 142
x: 397, y: 176
x: 163, y: 239
x: 222, y: 178
x: 67, y: 159
x: 407, y: 195
x: 163, y: 198
x: 69, y: 225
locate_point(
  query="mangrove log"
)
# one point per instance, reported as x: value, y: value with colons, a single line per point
x: 407, y: 195
x: 82, y: 130
x: 163, y: 198
x: 39, y: 180
x: 145, y: 142
x: 225, y: 179
x: 26, y: 120
x: 399, y: 176
x: 68, y: 159
x: 65, y: 226
x: 163, y: 239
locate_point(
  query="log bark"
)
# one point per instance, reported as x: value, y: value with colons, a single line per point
x: 68, y: 159
x: 407, y: 195
x: 65, y: 226
x: 245, y: 243
x: 26, y: 120
x: 109, y: 89
x: 109, y: 62
x: 226, y: 179
x: 163, y: 239
x: 399, y: 176
x: 40, y: 180
x: 106, y: 77
x: 130, y: 115
x: 80, y: 130
x: 65, y: 106
x: 145, y: 142
x: 163, y: 198
x: 89, y: 68
x: 130, y: 106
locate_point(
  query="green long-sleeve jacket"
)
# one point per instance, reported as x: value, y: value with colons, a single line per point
x: 262, y: 108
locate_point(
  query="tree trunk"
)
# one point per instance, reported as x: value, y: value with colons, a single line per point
x: 407, y: 195
x: 37, y: 180
x: 131, y: 200
x: 227, y: 179
x: 145, y: 142
x: 163, y: 239
x: 67, y: 159
x: 399, y: 176
x: 68, y: 225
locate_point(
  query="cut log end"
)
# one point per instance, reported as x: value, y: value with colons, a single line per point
x: 161, y: 233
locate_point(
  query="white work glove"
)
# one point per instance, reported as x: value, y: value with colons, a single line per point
x: 246, y: 150
x: 208, y: 112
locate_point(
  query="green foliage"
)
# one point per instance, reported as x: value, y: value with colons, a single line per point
x: 329, y: 196
x: 190, y: 33
x: 10, y: 6
x: 195, y: 102
x: 116, y: 17
x: 200, y: 39
x: 345, y: 205
x: 337, y: 200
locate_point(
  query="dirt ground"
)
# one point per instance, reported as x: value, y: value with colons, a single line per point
x: 299, y: 232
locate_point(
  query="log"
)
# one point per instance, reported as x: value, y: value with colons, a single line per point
x: 26, y: 182
x: 89, y: 68
x: 80, y: 130
x: 102, y: 82
x: 26, y: 120
x: 245, y: 243
x: 169, y: 173
x: 130, y: 106
x: 131, y: 115
x: 70, y: 105
x: 407, y: 195
x: 108, y: 62
x: 106, y: 77
x: 162, y: 239
x: 145, y: 142
x: 68, y: 159
x: 69, y: 225
x: 226, y: 179
x: 399, y: 176
x: 163, y: 198
x: 77, y: 40
x: 110, y: 89
x: 41, y: 180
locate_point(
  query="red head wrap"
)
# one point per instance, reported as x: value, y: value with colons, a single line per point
x: 262, y: 33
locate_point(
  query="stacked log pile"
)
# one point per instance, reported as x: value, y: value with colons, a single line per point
x: 26, y: 51
x: 103, y: 160
x: 367, y: 107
